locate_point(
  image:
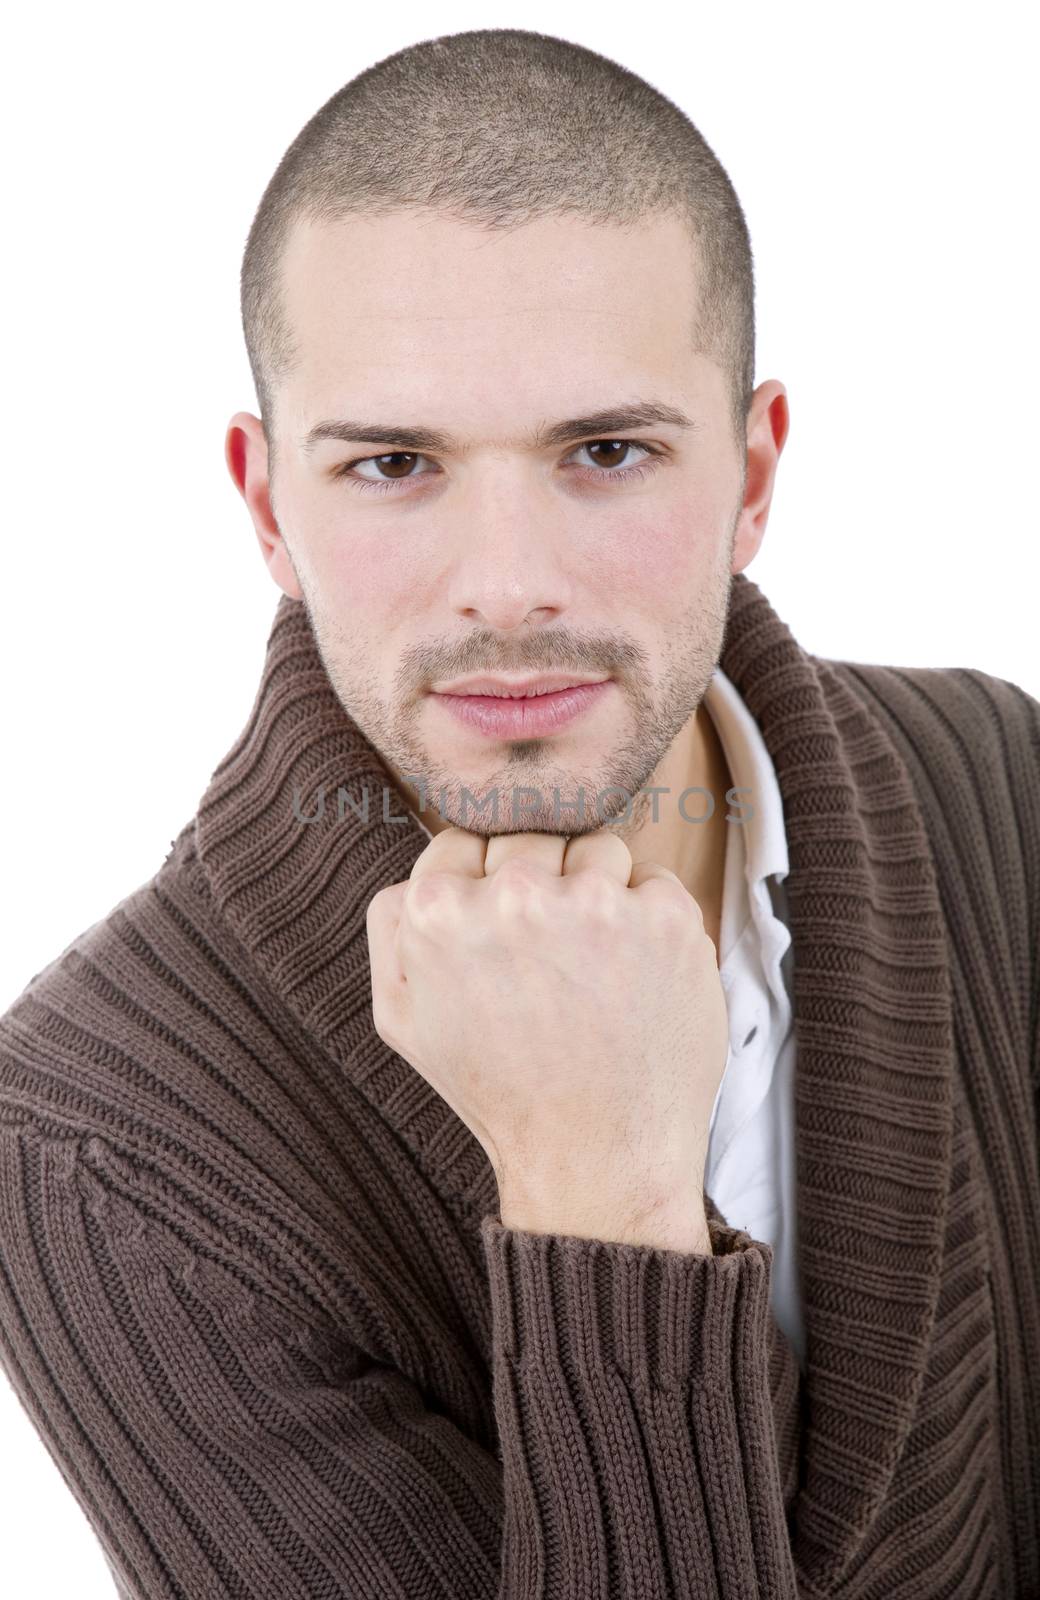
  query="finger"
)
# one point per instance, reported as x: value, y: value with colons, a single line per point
x: 541, y: 849
x: 603, y: 849
x: 650, y: 873
x: 452, y: 850
x: 382, y: 920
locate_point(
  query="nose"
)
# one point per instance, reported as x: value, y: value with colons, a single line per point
x: 509, y: 570
x: 504, y: 611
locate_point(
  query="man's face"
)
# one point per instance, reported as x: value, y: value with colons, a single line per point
x: 605, y: 556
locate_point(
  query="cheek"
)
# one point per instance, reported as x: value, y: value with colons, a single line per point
x: 360, y: 569
x: 652, y: 564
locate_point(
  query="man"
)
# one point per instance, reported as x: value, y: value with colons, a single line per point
x: 404, y: 1197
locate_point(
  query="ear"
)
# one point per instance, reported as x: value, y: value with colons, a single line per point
x: 245, y: 451
x: 767, y: 427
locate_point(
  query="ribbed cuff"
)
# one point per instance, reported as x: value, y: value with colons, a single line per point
x: 662, y: 1317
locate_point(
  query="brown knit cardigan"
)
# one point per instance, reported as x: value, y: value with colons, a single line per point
x: 256, y: 1299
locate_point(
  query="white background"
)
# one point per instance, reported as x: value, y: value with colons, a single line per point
x: 885, y: 158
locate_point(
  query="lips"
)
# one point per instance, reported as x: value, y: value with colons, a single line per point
x: 527, y: 716
x: 509, y: 694
x: 520, y: 689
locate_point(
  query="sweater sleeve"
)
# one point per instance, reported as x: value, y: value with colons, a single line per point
x: 222, y: 1447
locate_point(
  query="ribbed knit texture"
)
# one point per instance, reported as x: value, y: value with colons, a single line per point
x: 256, y: 1297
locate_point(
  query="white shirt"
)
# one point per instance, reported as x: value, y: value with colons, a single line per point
x: 750, y: 1167
x: 750, y: 1171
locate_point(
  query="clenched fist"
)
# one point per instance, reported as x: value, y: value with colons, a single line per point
x: 567, y: 1005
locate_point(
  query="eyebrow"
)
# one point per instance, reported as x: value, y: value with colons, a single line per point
x: 603, y: 424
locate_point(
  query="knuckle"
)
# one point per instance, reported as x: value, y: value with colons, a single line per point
x: 672, y: 905
x: 521, y: 891
x: 516, y: 876
x: 434, y: 900
x: 597, y: 892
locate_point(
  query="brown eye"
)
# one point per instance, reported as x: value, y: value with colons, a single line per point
x: 398, y: 456
x: 619, y: 445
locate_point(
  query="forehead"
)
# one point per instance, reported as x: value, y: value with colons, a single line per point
x: 406, y: 302
x: 426, y: 266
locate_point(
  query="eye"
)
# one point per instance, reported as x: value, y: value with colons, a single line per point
x: 611, y: 445
x: 399, y: 464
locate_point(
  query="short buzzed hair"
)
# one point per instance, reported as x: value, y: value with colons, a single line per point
x: 496, y: 127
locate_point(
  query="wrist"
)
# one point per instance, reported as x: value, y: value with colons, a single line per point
x: 675, y: 1225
